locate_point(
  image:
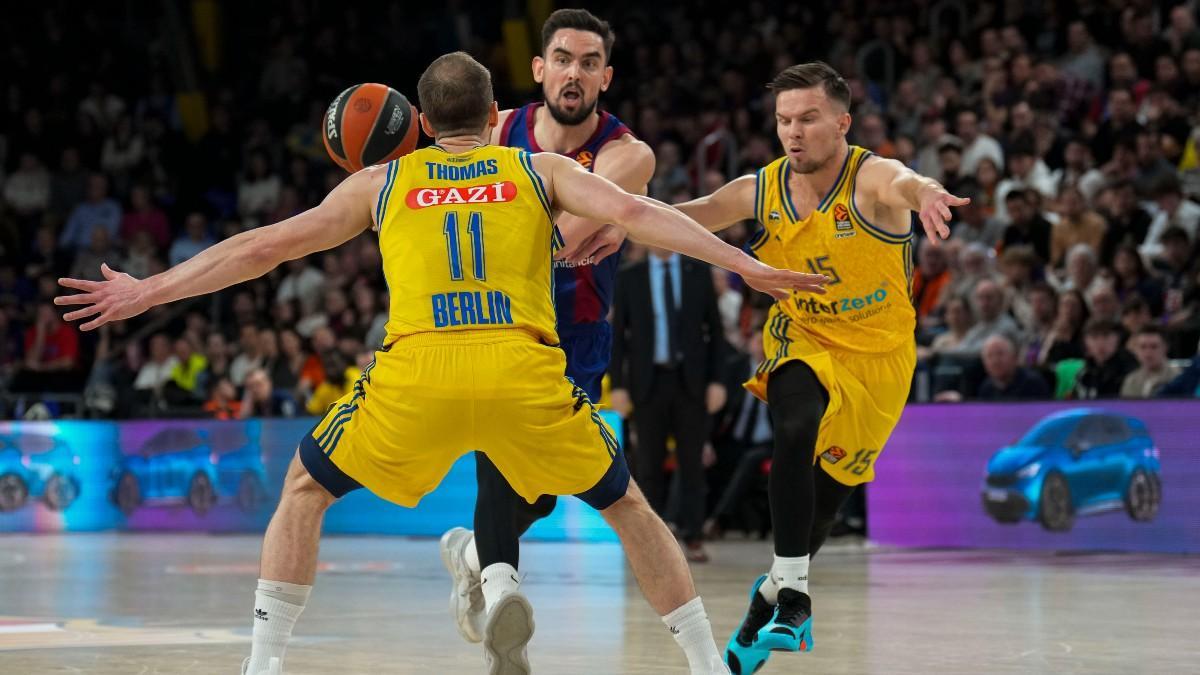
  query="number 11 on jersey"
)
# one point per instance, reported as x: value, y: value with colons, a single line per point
x: 453, y: 252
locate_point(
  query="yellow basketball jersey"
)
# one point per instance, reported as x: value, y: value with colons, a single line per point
x: 466, y: 241
x: 868, y: 306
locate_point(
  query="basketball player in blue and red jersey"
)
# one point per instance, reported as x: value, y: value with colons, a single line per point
x: 573, y: 70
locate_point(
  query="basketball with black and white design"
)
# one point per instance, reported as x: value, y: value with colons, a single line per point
x: 369, y: 124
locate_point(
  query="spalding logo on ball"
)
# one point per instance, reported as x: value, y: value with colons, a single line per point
x: 369, y: 124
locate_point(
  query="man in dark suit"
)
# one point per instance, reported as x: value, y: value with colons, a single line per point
x: 668, y: 349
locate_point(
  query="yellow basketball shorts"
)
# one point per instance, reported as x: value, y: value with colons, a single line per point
x: 867, y: 393
x: 431, y: 398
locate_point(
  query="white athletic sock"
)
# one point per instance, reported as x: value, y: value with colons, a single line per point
x: 785, y: 573
x: 471, y: 555
x: 277, y: 605
x: 693, y: 632
x: 497, y: 579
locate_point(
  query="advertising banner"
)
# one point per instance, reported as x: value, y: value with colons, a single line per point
x: 207, y: 476
x: 1118, y: 476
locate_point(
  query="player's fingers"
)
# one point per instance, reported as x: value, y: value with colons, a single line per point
x: 931, y: 230
x: 77, y: 299
x: 80, y: 284
x: 108, y: 272
x: 944, y: 210
x: 81, y: 313
x: 779, y: 293
x: 959, y: 201
x: 94, y: 323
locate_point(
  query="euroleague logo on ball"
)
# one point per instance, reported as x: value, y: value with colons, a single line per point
x: 362, y: 105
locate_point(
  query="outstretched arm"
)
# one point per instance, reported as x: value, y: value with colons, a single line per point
x: 627, y: 162
x: 656, y: 224
x: 344, y: 213
x: 896, y: 186
x: 732, y: 203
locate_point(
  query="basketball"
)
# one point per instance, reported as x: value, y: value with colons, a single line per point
x: 369, y: 124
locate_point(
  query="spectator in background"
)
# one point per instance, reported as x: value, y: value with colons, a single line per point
x: 1128, y: 223
x: 949, y: 152
x: 1026, y: 226
x: 335, y: 382
x: 250, y: 356
x: 1084, y: 59
x: 258, y: 191
x: 992, y: 318
x: 669, y: 174
x: 977, y: 146
x: 1173, y: 264
x: 1121, y: 123
x: 223, y: 404
x: 156, y: 372
x: 289, y: 367
x: 145, y: 216
x: 1039, y: 332
x: 99, y: 211
x: 1173, y: 210
x: 1104, y: 303
x: 216, y: 355
x: 1186, y: 385
x: 1019, y: 266
x: 1006, y: 380
x: 1107, y: 361
x: 1077, y: 224
x: 303, y: 283
x: 1082, y: 269
x: 52, y: 356
x: 46, y: 258
x: 929, y: 283
x: 959, y: 319
x: 974, y: 225
x: 1135, y: 315
x: 69, y: 185
x: 987, y: 176
x: 262, y: 400
x: 194, y: 240
x: 189, y: 368
x: 88, y: 261
x: 27, y: 190
x: 1079, y: 170
x: 1026, y: 172
x: 1152, y: 168
x: 123, y: 152
x: 1131, y: 279
x: 142, y: 256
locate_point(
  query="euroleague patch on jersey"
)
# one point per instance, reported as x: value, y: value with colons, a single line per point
x: 585, y: 159
x: 833, y: 455
x: 841, y: 222
x: 492, y: 193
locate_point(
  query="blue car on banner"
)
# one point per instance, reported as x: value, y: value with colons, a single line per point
x: 182, y: 464
x: 1075, y: 462
x: 39, y: 467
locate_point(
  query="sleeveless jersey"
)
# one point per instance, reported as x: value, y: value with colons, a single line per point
x: 867, y: 307
x: 466, y: 243
x: 583, y: 293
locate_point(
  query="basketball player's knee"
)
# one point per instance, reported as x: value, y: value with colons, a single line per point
x: 632, y: 504
x: 300, y: 486
x: 799, y: 424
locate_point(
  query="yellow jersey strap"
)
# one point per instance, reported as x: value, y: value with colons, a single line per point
x: 858, y: 217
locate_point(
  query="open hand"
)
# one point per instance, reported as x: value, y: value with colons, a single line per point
x: 118, y: 297
x: 779, y: 284
x: 935, y: 213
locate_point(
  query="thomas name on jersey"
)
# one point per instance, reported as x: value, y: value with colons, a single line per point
x: 471, y: 308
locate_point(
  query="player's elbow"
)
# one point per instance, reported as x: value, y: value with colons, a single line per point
x: 632, y: 213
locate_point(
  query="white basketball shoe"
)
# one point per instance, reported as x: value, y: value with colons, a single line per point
x: 274, y: 667
x: 506, y: 635
x: 466, y: 597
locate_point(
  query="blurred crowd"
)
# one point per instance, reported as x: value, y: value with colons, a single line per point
x: 1072, y: 126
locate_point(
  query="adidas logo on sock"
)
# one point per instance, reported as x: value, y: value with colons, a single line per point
x: 260, y: 614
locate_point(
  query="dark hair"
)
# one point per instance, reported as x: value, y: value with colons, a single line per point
x: 1015, y: 193
x: 455, y: 93
x: 809, y: 75
x: 577, y: 19
x: 1153, y: 329
x: 1102, y: 327
x: 1167, y: 185
x: 1043, y: 287
x: 1023, y: 146
x: 1134, y: 304
x: 1175, y: 233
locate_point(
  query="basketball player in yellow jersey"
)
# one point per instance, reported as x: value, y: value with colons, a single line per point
x: 469, y: 362
x: 838, y: 367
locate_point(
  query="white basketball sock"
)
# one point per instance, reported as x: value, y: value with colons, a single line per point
x: 785, y: 573
x: 692, y: 631
x: 497, y: 579
x: 277, y: 605
x: 471, y: 555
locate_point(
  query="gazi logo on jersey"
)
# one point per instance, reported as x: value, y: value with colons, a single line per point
x: 492, y: 193
x: 841, y: 222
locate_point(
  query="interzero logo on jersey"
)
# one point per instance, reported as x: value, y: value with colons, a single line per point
x: 838, y: 306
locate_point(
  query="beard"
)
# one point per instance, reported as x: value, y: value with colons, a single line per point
x: 807, y: 166
x: 570, y: 119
